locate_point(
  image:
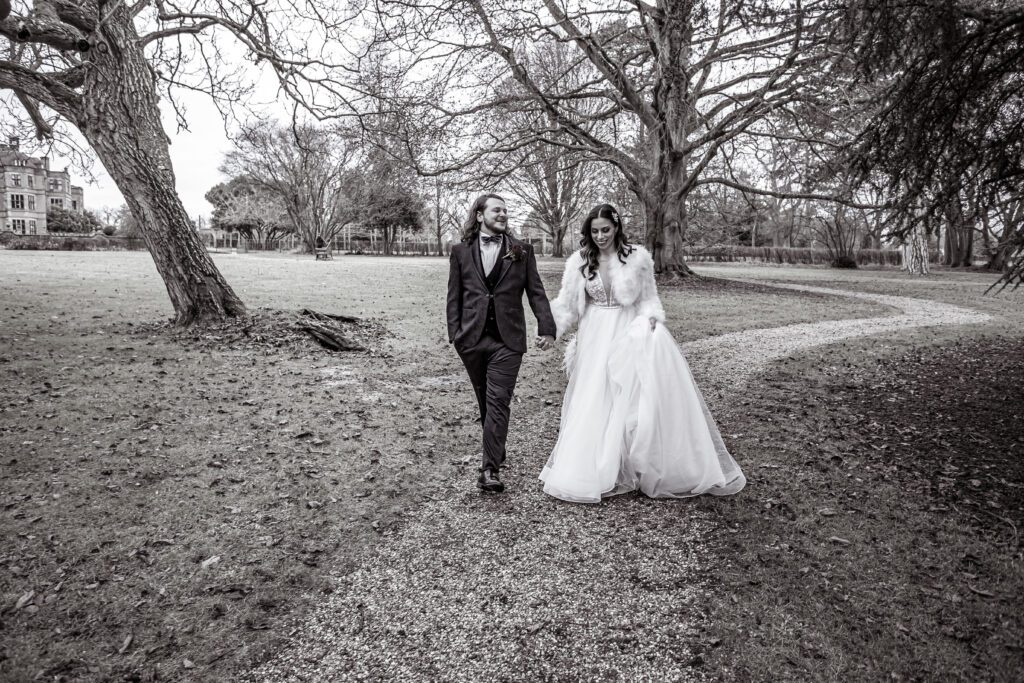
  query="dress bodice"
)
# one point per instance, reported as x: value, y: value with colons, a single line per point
x: 598, y: 295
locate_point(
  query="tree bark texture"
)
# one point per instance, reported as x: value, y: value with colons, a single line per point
x: 666, y: 223
x: 915, y: 252
x: 959, y: 236
x: 665, y: 194
x: 437, y: 217
x: 558, y: 238
x: 999, y: 253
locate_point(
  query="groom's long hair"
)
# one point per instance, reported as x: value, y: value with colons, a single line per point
x: 589, y: 249
x: 471, y: 227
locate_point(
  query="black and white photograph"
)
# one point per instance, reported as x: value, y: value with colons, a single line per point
x: 493, y: 340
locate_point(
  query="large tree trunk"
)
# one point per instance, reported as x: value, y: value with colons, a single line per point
x: 309, y: 241
x: 959, y: 236
x: 949, y: 245
x: 915, y: 252
x: 999, y: 254
x: 121, y: 121
x: 437, y: 222
x: 558, y: 239
x: 664, y: 196
x: 665, y: 214
x: 666, y: 223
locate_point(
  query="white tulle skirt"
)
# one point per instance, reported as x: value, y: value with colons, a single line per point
x: 633, y: 418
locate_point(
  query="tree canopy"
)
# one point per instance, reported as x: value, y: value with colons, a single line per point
x: 948, y: 128
x: 244, y: 206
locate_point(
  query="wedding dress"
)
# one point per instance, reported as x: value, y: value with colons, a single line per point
x: 632, y: 416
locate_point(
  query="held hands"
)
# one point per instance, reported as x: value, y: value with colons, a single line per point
x: 544, y: 343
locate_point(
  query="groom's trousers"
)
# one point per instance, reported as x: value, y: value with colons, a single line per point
x: 493, y: 369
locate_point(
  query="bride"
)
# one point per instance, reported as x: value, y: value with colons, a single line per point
x: 632, y: 417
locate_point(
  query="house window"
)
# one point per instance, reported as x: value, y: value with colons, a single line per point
x: 54, y: 185
x: 57, y: 201
x: 31, y: 181
x: 31, y: 202
x: 31, y: 227
x: 74, y: 205
x: 16, y: 179
x: 18, y: 225
x: 17, y: 201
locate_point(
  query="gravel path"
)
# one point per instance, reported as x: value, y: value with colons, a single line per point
x: 730, y: 359
x: 524, y: 587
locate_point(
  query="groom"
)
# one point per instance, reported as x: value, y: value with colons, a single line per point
x: 490, y: 270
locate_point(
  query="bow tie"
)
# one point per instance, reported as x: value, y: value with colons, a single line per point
x: 492, y: 239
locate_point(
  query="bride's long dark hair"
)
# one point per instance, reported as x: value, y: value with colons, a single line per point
x: 589, y: 249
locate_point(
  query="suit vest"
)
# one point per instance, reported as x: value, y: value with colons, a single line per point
x: 491, y: 326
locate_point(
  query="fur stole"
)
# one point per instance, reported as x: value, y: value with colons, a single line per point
x: 632, y: 284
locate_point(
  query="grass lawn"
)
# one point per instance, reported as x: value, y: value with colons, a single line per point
x: 174, y: 504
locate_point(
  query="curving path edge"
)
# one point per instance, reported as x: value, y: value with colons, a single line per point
x: 739, y: 355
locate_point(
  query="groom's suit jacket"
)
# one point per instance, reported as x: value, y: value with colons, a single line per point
x: 470, y: 295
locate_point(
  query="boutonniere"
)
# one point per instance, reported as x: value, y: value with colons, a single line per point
x: 515, y: 252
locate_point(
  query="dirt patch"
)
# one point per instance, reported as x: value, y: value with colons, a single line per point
x: 879, y: 535
x: 173, y: 503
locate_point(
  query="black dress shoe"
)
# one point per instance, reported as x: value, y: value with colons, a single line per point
x: 489, y: 481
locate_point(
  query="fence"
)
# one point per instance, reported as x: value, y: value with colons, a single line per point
x: 719, y: 254
x: 791, y: 255
x: 348, y: 244
x: 340, y: 244
x: 428, y: 247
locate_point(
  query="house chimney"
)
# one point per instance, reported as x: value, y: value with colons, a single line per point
x: 46, y: 163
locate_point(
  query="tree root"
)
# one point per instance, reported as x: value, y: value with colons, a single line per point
x: 676, y: 273
x: 276, y: 329
x: 324, y: 329
x: 327, y: 317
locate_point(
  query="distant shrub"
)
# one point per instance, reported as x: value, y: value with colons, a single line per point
x: 68, y: 243
x: 843, y: 262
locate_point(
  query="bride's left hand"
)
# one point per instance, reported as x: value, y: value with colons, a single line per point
x: 654, y: 323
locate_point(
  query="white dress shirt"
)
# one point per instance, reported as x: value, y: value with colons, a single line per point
x: 489, y: 253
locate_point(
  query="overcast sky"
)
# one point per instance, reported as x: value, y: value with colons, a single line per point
x: 196, y: 155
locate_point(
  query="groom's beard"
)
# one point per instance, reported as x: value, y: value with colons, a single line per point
x: 497, y: 227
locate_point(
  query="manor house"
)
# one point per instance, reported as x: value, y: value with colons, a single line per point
x: 29, y: 187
